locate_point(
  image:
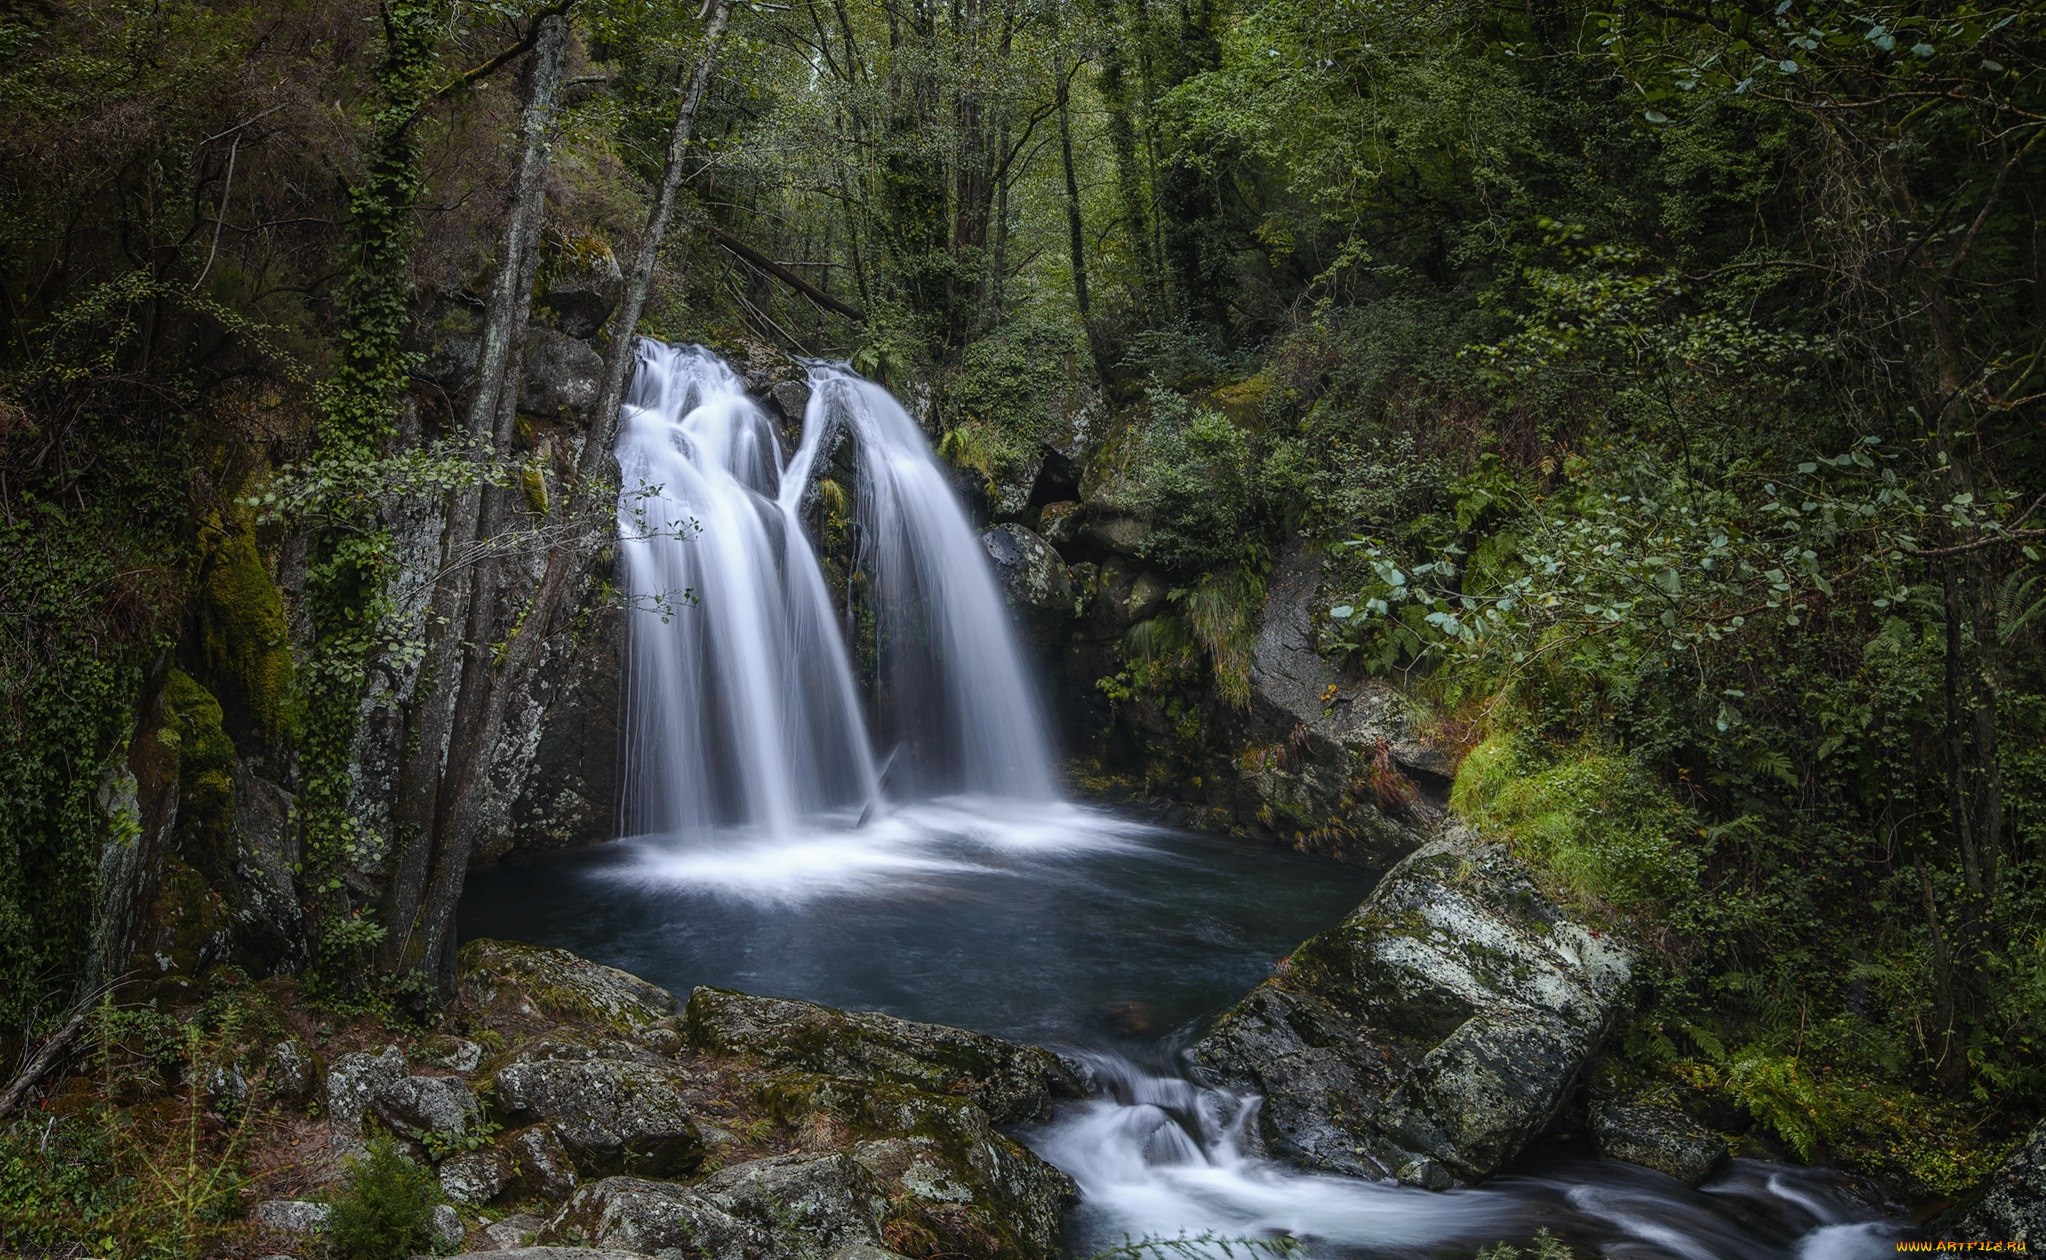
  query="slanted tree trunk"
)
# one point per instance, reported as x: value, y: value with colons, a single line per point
x: 465, y: 591
x: 492, y: 679
x: 596, y: 454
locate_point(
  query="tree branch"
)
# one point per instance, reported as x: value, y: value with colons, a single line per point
x: 762, y: 263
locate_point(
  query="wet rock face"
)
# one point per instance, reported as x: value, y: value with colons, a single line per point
x: 1034, y: 582
x: 1443, y: 1023
x: 1011, y: 1083
x: 1658, y: 1137
x: 2014, y: 1206
x: 612, y: 1115
x: 786, y: 1205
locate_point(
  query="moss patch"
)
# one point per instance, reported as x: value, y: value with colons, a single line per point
x: 242, y: 629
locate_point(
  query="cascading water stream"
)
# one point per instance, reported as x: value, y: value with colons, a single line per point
x: 955, y: 698
x: 742, y: 709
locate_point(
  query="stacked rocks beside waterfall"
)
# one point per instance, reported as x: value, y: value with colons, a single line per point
x: 579, y: 1112
x: 1434, y: 1033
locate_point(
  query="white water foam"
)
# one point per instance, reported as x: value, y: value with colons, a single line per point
x: 831, y: 856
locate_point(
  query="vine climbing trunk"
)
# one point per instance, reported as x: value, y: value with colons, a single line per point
x: 345, y: 595
x: 457, y: 662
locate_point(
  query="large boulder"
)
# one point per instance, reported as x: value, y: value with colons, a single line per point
x: 354, y: 1080
x: 560, y: 378
x: 612, y: 1114
x: 798, y: 1204
x: 580, y: 287
x: 1011, y: 1083
x: 1432, y: 1034
x: 952, y: 1179
x: 557, y: 985
x: 435, y: 1110
x: 1034, y: 582
x: 1328, y: 759
x: 2013, y: 1208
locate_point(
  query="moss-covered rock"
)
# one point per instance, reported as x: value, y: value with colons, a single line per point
x: 1010, y: 1082
x: 1657, y: 1136
x: 957, y: 1186
x: 557, y: 986
x: 2012, y: 1205
x: 205, y: 826
x: 613, y: 1114
x: 1440, y: 1026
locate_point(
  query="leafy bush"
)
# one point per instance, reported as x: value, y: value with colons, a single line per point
x: 385, y: 1210
x: 1199, y: 484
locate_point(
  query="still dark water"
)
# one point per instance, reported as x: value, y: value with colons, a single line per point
x: 1085, y: 931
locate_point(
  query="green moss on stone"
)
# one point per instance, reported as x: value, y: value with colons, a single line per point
x: 205, y: 830
x: 242, y: 629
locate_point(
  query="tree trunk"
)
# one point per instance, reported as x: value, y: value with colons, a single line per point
x: 462, y: 596
x: 596, y: 454
x: 490, y: 683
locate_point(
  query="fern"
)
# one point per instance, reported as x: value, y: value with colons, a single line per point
x: 2012, y: 612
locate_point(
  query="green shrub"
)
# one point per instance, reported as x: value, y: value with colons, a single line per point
x: 385, y: 1210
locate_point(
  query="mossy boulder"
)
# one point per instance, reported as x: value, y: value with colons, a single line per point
x: 957, y: 1186
x: 1009, y: 1082
x: 1034, y: 582
x: 1437, y: 1029
x: 2012, y: 1205
x: 613, y: 1114
x: 555, y: 985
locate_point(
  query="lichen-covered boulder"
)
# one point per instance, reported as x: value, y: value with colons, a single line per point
x: 1010, y: 1082
x: 613, y: 1115
x: 290, y: 1072
x: 2013, y: 1207
x: 553, y: 984
x: 1444, y: 1021
x: 788, y: 1205
x: 1034, y: 582
x: 1659, y: 1137
x: 561, y: 377
x: 291, y: 1216
x: 353, y: 1080
x: 632, y: 1214
x: 426, y: 1108
x: 478, y: 1177
x: 545, y: 1169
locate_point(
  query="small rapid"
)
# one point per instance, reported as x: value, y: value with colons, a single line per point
x: 1157, y: 1155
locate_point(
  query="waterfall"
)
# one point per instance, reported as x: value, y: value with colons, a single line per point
x: 741, y: 705
x: 954, y: 696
